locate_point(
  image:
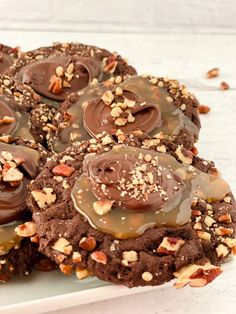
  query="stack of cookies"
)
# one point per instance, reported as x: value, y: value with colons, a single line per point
x: 100, y: 175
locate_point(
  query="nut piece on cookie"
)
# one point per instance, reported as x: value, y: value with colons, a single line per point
x: 169, y: 245
x: 196, y: 275
x: 28, y: 229
x: 62, y: 245
x: 44, y: 197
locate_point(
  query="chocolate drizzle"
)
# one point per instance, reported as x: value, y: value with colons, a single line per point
x: 144, y: 189
x: 57, y: 76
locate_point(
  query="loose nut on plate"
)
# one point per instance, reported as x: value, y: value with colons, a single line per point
x: 170, y: 245
x: 196, y: 275
x: 213, y: 73
x: 203, y: 109
x: 28, y: 229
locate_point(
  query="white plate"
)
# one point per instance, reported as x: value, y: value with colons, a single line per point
x: 42, y: 292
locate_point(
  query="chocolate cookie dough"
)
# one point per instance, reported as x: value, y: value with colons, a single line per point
x: 7, y: 57
x: 137, y: 213
x: 149, y: 104
x: 19, y: 164
x: 22, y: 114
x: 56, y: 71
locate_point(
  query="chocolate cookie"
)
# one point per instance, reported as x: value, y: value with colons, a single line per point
x: 56, y: 71
x: 22, y: 112
x: 19, y: 164
x: 149, y: 104
x: 7, y: 57
x: 138, y: 213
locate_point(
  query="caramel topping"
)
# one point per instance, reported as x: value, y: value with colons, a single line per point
x: 14, y: 120
x: 57, y: 76
x: 18, y: 166
x: 8, y: 238
x: 135, y: 104
x: 128, y: 190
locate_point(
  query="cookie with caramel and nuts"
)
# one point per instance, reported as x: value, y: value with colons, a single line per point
x: 7, y: 56
x: 20, y: 162
x: 55, y: 71
x: 22, y: 113
x: 149, y: 104
x: 138, y: 213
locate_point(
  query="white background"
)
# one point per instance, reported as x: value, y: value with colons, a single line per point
x: 180, y: 39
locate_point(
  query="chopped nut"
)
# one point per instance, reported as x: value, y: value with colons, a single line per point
x: 224, y: 86
x: 222, y: 251
x: 227, y: 199
x: 119, y: 91
x: 213, y: 73
x: 102, y: 207
x: 55, y: 85
x: 170, y: 245
x: 225, y: 218
x: 66, y: 269
x: 120, y: 121
x: 12, y: 175
x: 115, y: 112
x: 147, y: 276
x: 63, y: 246
x: 223, y: 231
x: 209, y: 221
x: 7, y: 120
x: 229, y: 242
x: 196, y: 275
x: 44, y: 197
x: 161, y: 149
x: 197, y: 226
x: 204, y: 235
x: 27, y: 229
x: 129, y: 103
x: 99, y: 257
x: 82, y: 273
x: 203, y: 109
x: 59, y: 71
x: 76, y: 257
x: 63, y: 170
x: 107, y: 97
x: 107, y: 140
x: 70, y: 68
x: 185, y: 159
x: 196, y: 213
x: 7, y: 156
x: 88, y: 243
x: 130, y: 256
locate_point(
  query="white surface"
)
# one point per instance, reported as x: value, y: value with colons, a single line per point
x: 185, y: 57
x: 112, y: 16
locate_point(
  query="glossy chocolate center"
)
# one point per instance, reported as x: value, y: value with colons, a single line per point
x: 57, y: 76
